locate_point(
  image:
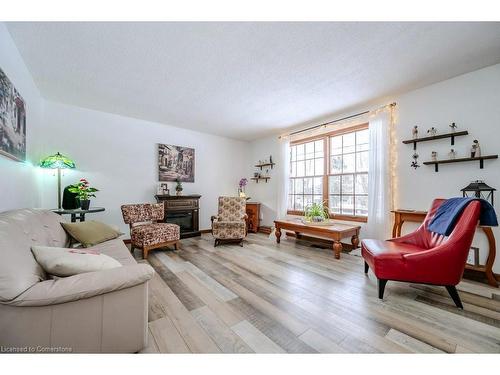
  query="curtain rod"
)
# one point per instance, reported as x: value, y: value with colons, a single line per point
x: 339, y: 119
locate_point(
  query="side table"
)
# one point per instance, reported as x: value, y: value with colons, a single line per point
x: 78, y: 214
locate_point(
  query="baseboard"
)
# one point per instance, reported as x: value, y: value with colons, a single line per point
x: 265, y: 229
x: 127, y: 241
x: 206, y: 231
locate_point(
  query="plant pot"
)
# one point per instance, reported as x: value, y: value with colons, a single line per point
x: 84, y: 204
x: 178, y: 192
x: 318, y: 219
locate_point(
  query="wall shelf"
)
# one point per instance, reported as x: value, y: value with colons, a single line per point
x: 265, y: 165
x: 257, y: 179
x: 440, y: 136
x: 459, y: 160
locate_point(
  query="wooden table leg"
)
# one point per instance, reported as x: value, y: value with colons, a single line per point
x: 337, y: 248
x: 491, y: 257
x: 395, y: 226
x: 355, y: 241
x: 278, y: 234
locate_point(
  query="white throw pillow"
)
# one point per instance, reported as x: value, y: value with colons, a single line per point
x: 63, y: 262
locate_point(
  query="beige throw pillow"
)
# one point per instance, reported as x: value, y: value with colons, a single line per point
x: 90, y: 233
x: 64, y: 262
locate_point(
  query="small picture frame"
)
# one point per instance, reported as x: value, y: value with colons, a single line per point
x: 163, y: 189
x: 473, y: 257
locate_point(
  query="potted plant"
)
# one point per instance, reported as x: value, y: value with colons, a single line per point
x: 83, y: 191
x: 178, y: 187
x: 316, y: 212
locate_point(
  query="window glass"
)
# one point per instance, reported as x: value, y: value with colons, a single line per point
x: 346, y: 179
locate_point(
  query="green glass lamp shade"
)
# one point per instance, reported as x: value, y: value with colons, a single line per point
x: 57, y: 161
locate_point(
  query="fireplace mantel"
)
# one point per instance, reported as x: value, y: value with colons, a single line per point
x: 182, y: 210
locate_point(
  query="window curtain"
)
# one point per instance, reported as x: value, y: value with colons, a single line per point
x: 283, y: 177
x: 379, y: 176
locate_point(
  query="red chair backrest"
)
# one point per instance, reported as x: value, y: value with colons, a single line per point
x: 464, y: 228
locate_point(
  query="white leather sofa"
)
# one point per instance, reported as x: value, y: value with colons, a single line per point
x: 105, y: 311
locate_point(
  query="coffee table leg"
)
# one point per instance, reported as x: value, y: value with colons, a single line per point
x: 278, y: 234
x: 337, y: 248
x: 355, y: 241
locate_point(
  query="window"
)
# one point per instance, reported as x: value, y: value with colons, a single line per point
x: 307, y: 170
x: 348, y: 175
x: 332, y: 169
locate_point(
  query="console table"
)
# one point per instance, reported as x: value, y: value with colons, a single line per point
x: 78, y: 213
x: 182, y: 210
x: 400, y: 216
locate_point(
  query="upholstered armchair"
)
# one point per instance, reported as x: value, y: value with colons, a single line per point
x: 422, y: 256
x: 230, y: 223
x: 146, y: 232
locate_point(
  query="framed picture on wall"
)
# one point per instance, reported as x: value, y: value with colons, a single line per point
x: 12, y: 120
x: 175, y: 162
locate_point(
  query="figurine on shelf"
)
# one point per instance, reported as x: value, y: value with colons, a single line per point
x: 453, y: 127
x: 414, y: 163
x: 434, y: 155
x: 475, y: 151
x: 271, y: 159
x: 452, y: 154
x: 432, y: 131
x: 414, y: 132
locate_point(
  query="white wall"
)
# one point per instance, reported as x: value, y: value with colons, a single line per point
x: 472, y: 101
x: 18, y: 181
x: 118, y: 155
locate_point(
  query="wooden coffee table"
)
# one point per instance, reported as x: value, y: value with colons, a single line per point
x: 335, y: 232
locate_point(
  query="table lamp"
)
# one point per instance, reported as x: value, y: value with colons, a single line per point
x: 58, y: 162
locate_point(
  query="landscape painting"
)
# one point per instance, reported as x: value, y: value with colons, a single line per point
x: 12, y: 120
x: 175, y: 162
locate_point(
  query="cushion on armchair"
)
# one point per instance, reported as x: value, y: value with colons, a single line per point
x: 156, y: 233
x: 229, y: 229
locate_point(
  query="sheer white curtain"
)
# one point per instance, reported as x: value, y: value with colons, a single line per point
x: 283, y: 176
x: 379, y: 177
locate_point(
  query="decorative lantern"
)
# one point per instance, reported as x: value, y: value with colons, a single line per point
x: 478, y: 189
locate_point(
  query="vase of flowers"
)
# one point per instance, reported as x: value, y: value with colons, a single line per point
x: 178, y: 187
x: 241, y: 189
x: 83, y: 191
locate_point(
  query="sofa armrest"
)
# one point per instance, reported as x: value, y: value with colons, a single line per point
x: 84, y: 285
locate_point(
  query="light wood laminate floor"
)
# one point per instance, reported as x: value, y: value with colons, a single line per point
x: 296, y: 298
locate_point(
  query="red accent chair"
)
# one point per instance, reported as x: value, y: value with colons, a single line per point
x: 424, y: 257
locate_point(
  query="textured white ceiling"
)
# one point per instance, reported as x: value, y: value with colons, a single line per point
x: 244, y: 80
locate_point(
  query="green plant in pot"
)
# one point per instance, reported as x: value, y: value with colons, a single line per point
x: 316, y: 212
x: 178, y: 187
x: 83, y: 191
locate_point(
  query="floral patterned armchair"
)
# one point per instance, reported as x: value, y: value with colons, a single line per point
x: 145, y: 231
x: 230, y: 223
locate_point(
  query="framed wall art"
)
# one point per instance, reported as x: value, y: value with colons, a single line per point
x: 12, y: 120
x: 175, y: 163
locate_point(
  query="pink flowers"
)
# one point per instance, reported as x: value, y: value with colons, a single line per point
x: 83, y: 189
